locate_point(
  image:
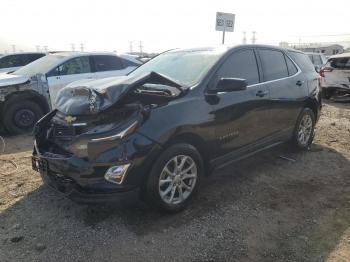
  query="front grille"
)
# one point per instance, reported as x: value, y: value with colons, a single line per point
x: 64, y: 132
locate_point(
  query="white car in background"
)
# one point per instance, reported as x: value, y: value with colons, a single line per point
x: 12, y: 62
x: 336, y: 75
x: 31, y: 91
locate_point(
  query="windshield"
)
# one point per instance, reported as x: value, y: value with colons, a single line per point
x: 185, y: 67
x: 40, y: 66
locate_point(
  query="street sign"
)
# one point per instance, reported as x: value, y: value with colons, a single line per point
x: 224, y: 22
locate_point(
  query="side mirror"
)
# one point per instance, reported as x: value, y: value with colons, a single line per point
x: 230, y: 85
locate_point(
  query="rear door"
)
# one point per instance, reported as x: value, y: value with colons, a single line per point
x: 288, y: 90
x: 240, y: 116
x: 69, y: 71
x: 107, y: 66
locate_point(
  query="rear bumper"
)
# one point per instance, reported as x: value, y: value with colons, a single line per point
x: 341, y: 88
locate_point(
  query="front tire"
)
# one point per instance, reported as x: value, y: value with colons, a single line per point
x: 21, y: 116
x: 174, y: 178
x: 304, y: 130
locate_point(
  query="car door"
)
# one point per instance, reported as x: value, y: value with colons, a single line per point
x: 288, y: 90
x: 69, y: 71
x: 240, y: 116
x: 107, y: 66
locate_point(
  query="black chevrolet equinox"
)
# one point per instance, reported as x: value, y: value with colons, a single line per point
x: 157, y: 131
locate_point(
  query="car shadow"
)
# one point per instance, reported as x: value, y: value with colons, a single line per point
x: 280, y: 197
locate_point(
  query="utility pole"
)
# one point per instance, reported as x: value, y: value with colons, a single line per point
x: 244, y: 41
x: 82, y: 47
x: 73, y: 47
x: 13, y: 48
x: 130, y: 46
x: 253, y: 37
x: 141, y: 46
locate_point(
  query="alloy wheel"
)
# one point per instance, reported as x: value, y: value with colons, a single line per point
x: 178, y: 179
x: 305, y: 129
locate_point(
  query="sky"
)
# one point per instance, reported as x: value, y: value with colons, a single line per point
x: 110, y: 25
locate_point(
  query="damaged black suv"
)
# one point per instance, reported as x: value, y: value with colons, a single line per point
x: 159, y: 130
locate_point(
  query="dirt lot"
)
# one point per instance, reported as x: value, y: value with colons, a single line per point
x: 260, y: 209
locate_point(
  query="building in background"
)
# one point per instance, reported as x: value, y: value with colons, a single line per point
x: 326, y: 49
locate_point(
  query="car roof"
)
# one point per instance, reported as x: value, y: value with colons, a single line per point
x: 313, y: 53
x: 225, y: 48
x: 23, y: 53
x: 74, y: 53
x: 340, y: 55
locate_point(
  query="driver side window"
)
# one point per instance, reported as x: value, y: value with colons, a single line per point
x: 240, y: 64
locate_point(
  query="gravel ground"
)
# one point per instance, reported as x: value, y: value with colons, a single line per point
x: 260, y: 209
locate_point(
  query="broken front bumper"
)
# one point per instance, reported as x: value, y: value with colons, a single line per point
x: 83, y: 179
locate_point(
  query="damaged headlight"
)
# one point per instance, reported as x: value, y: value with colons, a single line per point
x: 127, y: 131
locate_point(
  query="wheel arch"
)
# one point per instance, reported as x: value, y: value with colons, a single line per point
x: 194, y: 140
x: 314, y: 105
x: 27, y: 95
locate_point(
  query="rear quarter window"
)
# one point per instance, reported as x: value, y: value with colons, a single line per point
x: 303, y: 61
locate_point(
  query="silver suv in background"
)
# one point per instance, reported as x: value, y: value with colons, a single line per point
x: 12, y: 62
x: 318, y: 60
x: 30, y: 92
x: 336, y: 75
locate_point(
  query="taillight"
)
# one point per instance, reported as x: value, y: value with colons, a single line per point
x: 325, y: 69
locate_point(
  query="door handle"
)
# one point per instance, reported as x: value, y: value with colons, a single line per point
x: 299, y: 83
x: 262, y: 93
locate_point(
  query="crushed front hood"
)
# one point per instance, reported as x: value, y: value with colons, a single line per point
x: 9, y: 79
x: 93, y: 96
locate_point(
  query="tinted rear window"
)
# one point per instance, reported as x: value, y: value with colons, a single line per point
x: 33, y: 57
x: 127, y: 62
x: 12, y: 61
x: 107, y: 63
x: 303, y: 61
x: 340, y: 63
x: 273, y: 64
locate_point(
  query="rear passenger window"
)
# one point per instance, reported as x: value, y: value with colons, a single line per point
x: 273, y: 64
x: 241, y: 64
x: 292, y: 69
x: 107, y: 63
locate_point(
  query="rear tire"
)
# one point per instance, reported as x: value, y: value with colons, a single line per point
x: 174, y: 178
x: 327, y: 93
x: 21, y: 116
x: 304, y: 130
